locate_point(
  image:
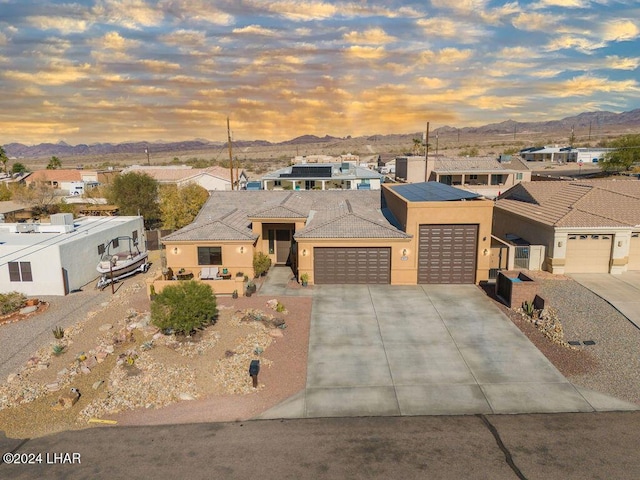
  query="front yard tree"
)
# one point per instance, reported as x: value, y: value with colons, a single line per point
x: 135, y: 194
x: 625, y: 155
x: 42, y: 198
x: 54, y: 163
x: 184, y: 307
x: 18, y: 168
x: 180, y: 205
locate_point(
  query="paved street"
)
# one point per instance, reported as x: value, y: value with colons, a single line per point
x: 557, y: 446
x: 22, y: 339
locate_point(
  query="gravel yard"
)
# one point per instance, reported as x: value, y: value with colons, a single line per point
x: 612, y: 364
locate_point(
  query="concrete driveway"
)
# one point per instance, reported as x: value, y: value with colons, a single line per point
x: 425, y: 350
x: 622, y: 291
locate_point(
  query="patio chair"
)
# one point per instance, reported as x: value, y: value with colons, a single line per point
x: 209, y: 273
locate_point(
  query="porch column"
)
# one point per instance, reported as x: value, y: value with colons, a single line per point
x: 323, y: 182
x: 293, y: 184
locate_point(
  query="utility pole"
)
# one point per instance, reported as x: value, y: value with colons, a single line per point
x: 514, y: 131
x: 436, y: 145
x: 426, y: 154
x: 146, y: 150
x: 589, y: 130
x: 230, y: 152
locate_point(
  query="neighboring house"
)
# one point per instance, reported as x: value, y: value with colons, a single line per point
x: 342, y: 176
x: 549, y: 154
x: 487, y: 176
x: 592, y: 155
x: 13, y: 212
x: 400, y: 235
x: 211, y: 178
x: 69, y: 181
x: 58, y: 257
x: 586, y: 226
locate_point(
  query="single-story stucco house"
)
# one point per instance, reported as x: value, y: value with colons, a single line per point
x: 586, y: 226
x: 400, y: 235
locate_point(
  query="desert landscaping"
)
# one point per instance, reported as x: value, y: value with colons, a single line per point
x: 126, y: 370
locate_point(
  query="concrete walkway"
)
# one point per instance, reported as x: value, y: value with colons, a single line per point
x: 621, y: 291
x: 425, y: 350
x: 275, y: 284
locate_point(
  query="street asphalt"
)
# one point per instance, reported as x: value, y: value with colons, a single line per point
x: 494, y: 447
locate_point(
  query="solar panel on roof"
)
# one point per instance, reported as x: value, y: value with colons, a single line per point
x: 432, y: 192
x: 299, y: 171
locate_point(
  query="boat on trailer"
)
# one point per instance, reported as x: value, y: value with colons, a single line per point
x: 121, y: 258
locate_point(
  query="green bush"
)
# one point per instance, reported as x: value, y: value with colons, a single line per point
x: 184, y: 307
x: 11, y: 302
x: 261, y: 263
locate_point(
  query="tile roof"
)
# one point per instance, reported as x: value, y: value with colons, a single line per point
x: 576, y: 203
x: 330, y: 214
x: 174, y: 174
x: 477, y: 164
x: 57, y: 175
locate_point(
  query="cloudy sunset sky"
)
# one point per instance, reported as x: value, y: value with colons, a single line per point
x: 117, y: 70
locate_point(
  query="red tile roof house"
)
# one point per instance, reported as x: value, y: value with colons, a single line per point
x: 585, y: 226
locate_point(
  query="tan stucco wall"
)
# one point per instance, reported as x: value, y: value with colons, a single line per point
x: 471, y: 212
x: 233, y: 259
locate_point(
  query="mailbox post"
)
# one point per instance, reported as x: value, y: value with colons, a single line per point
x: 254, y: 369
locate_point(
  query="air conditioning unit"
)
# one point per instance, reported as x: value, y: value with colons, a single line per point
x: 25, y: 227
x: 62, y: 219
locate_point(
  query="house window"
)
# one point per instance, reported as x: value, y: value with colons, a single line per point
x: 518, y: 176
x: 277, y: 183
x: 134, y: 236
x: 115, y: 242
x: 271, y: 235
x: 101, y: 249
x: 209, y: 255
x: 473, y: 177
x: 20, y: 272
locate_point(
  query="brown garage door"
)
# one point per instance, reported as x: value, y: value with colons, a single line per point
x: 588, y: 254
x: 447, y: 253
x: 335, y: 265
x: 634, y: 252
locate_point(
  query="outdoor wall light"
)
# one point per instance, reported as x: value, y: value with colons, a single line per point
x: 175, y: 250
x: 619, y: 243
x: 560, y: 243
x: 241, y: 249
x: 404, y: 252
x: 304, y: 252
x: 485, y: 252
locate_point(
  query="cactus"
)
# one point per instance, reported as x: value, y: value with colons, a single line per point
x: 57, y: 349
x: 58, y: 333
x: 527, y: 308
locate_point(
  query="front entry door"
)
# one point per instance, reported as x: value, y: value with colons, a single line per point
x: 283, y: 245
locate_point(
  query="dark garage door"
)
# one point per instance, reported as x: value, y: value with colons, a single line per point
x: 335, y: 265
x: 447, y: 253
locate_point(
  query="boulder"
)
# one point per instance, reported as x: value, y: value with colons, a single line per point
x: 69, y: 399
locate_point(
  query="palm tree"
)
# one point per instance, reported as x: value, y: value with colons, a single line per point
x: 417, y: 145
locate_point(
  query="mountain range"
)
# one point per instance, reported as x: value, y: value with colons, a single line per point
x: 596, y: 120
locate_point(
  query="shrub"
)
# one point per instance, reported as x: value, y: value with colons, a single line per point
x: 11, y: 302
x: 280, y: 307
x: 57, y: 349
x: 184, y: 307
x: 261, y: 263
